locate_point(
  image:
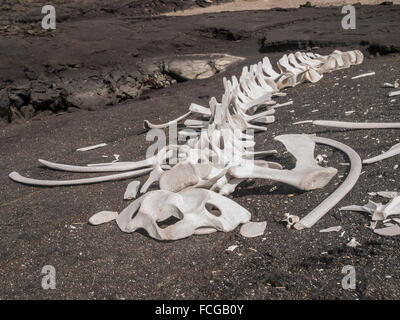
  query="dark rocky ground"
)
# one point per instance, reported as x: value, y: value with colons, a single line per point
x: 48, y: 226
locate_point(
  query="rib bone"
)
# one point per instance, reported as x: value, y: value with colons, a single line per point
x: 315, y: 215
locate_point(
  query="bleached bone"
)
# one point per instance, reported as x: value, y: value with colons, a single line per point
x: 92, y: 147
x: 115, y: 167
x: 187, y: 133
x: 232, y: 248
x: 331, y: 229
x: 199, y: 211
x: 378, y: 211
x: 259, y: 153
x: 267, y: 68
x: 266, y: 81
x: 308, y: 73
x: 390, y: 85
x: 305, y: 59
x: 196, y: 108
x: 148, y: 125
x: 364, y: 75
x: 51, y: 183
x: 353, y: 125
x: 389, y: 231
x: 307, y: 175
x: 265, y: 119
x: 395, y: 150
x: 388, y: 194
x: 105, y: 164
x: 157, y: 171
x: 253, y: 229
x: 353, y: 243
x: 132, y: 190
x: 394, y: 93
x: 289, y: 103
x: 290, y: 220
x: 355, y: 170
x: 196, y: 123
x: 224, y: 137
x: 103, y: 217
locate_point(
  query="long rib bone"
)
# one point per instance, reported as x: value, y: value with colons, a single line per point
x: 51, y: 183
x: 315, y: 215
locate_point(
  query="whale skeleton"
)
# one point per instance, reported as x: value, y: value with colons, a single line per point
x: 221, y: 155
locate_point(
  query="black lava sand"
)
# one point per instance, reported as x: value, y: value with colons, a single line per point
x: 48, y: 226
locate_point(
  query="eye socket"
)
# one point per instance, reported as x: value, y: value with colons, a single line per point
x: 168, y: 222
x: 214, y: 210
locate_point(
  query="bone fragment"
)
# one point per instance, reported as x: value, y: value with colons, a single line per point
x: 331, y: 229
x: 253, y: 229
x: 364, y: 75
x: 353, y: 243
x: 388, y: 154
x: 92, y: 147
x: 103, y: 217
x: 389, y: 231
x: 132, y: 190
x: 232, y: 248
x: 394, y: 93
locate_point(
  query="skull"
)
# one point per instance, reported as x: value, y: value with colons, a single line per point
x: 199, y: 211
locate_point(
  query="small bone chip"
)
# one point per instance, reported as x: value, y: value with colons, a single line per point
x: 389, y: 231
x: 353, y: 243
x: 332, y: 229
x: 253, y: 229
x: 388, y: 194
x: 394, y: 93
x: 364, y: 75
x: 232, y: 248
x: 92, y: 147
x: 103, y: 217
x: 132, y: 190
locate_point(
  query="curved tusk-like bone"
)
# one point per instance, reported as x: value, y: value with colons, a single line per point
x: 315, y: 215
x: 148, y: 125
x: 104, y: 168
x: 52, y: 183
